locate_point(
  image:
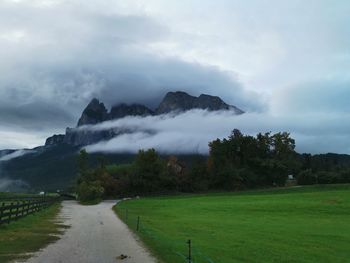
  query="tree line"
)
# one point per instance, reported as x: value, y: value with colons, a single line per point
x: 234, y: 163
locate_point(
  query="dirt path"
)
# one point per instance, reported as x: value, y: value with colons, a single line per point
x: 96, y: 235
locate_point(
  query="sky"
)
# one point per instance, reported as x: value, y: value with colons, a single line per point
x: 286, y: 63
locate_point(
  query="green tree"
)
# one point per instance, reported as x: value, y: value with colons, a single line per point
x: 246, y: 161
x: 90, y: 191
x: 150, y: 172
x: 83, y: 167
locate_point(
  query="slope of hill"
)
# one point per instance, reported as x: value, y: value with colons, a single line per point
x: 51, y: 168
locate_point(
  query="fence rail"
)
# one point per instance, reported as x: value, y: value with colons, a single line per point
x: 12, y: 209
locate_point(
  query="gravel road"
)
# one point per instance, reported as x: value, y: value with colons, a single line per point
x: 96, y: 235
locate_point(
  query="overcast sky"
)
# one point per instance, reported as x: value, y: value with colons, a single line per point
x: 287, y: 63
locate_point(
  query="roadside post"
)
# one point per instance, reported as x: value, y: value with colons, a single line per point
x: 189, y: 251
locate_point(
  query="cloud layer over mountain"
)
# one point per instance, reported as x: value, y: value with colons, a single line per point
x: 57, y: 55
x: 285, y: 59
x: 191, y: 131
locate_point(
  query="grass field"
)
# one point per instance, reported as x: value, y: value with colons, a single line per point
x: 7, y: 195
x: 29, y: 234
x: 305, y: 224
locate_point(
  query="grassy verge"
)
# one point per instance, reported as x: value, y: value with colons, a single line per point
x: 29, y: 234
x: 304, y: 224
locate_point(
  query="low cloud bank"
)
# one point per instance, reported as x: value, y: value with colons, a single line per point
x: 50, y: 73
x: 15, y: 154
x: 12, y: 185
x: 191, y: 131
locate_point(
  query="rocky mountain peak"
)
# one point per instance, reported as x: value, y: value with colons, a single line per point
x: 176, y: 101
x: 123, y: 110
x: 181, y: 101
x: 209, y: 102
x: 55, y: 139
x: 95, y: 112
x: 214, y: 103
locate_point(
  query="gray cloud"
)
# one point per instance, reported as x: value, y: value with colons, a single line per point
x: 57, y: 55
x: 6, y: 183
x: 12, y: 185
x: 318, y: 96
x: 55, y: 59
x: 190, y: 132
x: 15, y: 154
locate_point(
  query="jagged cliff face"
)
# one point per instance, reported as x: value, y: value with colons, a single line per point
x: 123, y: 110
x: 55, y: 139
x: 96, y: 112
x: 181, y: 101
x: 78, y: 137
x: 214, y: 103
x: 176, y: 101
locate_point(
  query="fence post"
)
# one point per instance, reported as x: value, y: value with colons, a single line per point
x: 1, y: 211
x: 17, y: 210
x: 10, y: 214
x: 189, y: 251
x: 138, y: 223
x: 28, y: 206
x: 32, y: 206
x: 22, y: 207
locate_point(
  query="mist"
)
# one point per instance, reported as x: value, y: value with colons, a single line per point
x: 8, y: 185
x: 190, y: 132
x: 12, y: 185
x: 15, y: 154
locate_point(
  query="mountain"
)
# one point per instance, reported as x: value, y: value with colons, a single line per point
x: 53, y: 166
x: 55, y: 139
x: 96, y: 112
x: 181, y: 101
x: 214, y: 103
x: 176, y: 101
x: 124, y: 110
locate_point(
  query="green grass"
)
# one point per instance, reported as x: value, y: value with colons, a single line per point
x: 29, y: 234
x: 303, y: 224
x: 10, y: 194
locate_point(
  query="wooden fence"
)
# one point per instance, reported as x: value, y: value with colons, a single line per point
x: 14, y: 208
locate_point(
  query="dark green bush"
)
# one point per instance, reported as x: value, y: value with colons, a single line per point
x: 90, y: 191
x: 306, y: 177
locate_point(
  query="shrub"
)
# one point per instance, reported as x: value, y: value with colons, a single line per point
x: 324, y: 177
x: 344, y: 176
x: 90, y: 191
x: 306, y: 177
